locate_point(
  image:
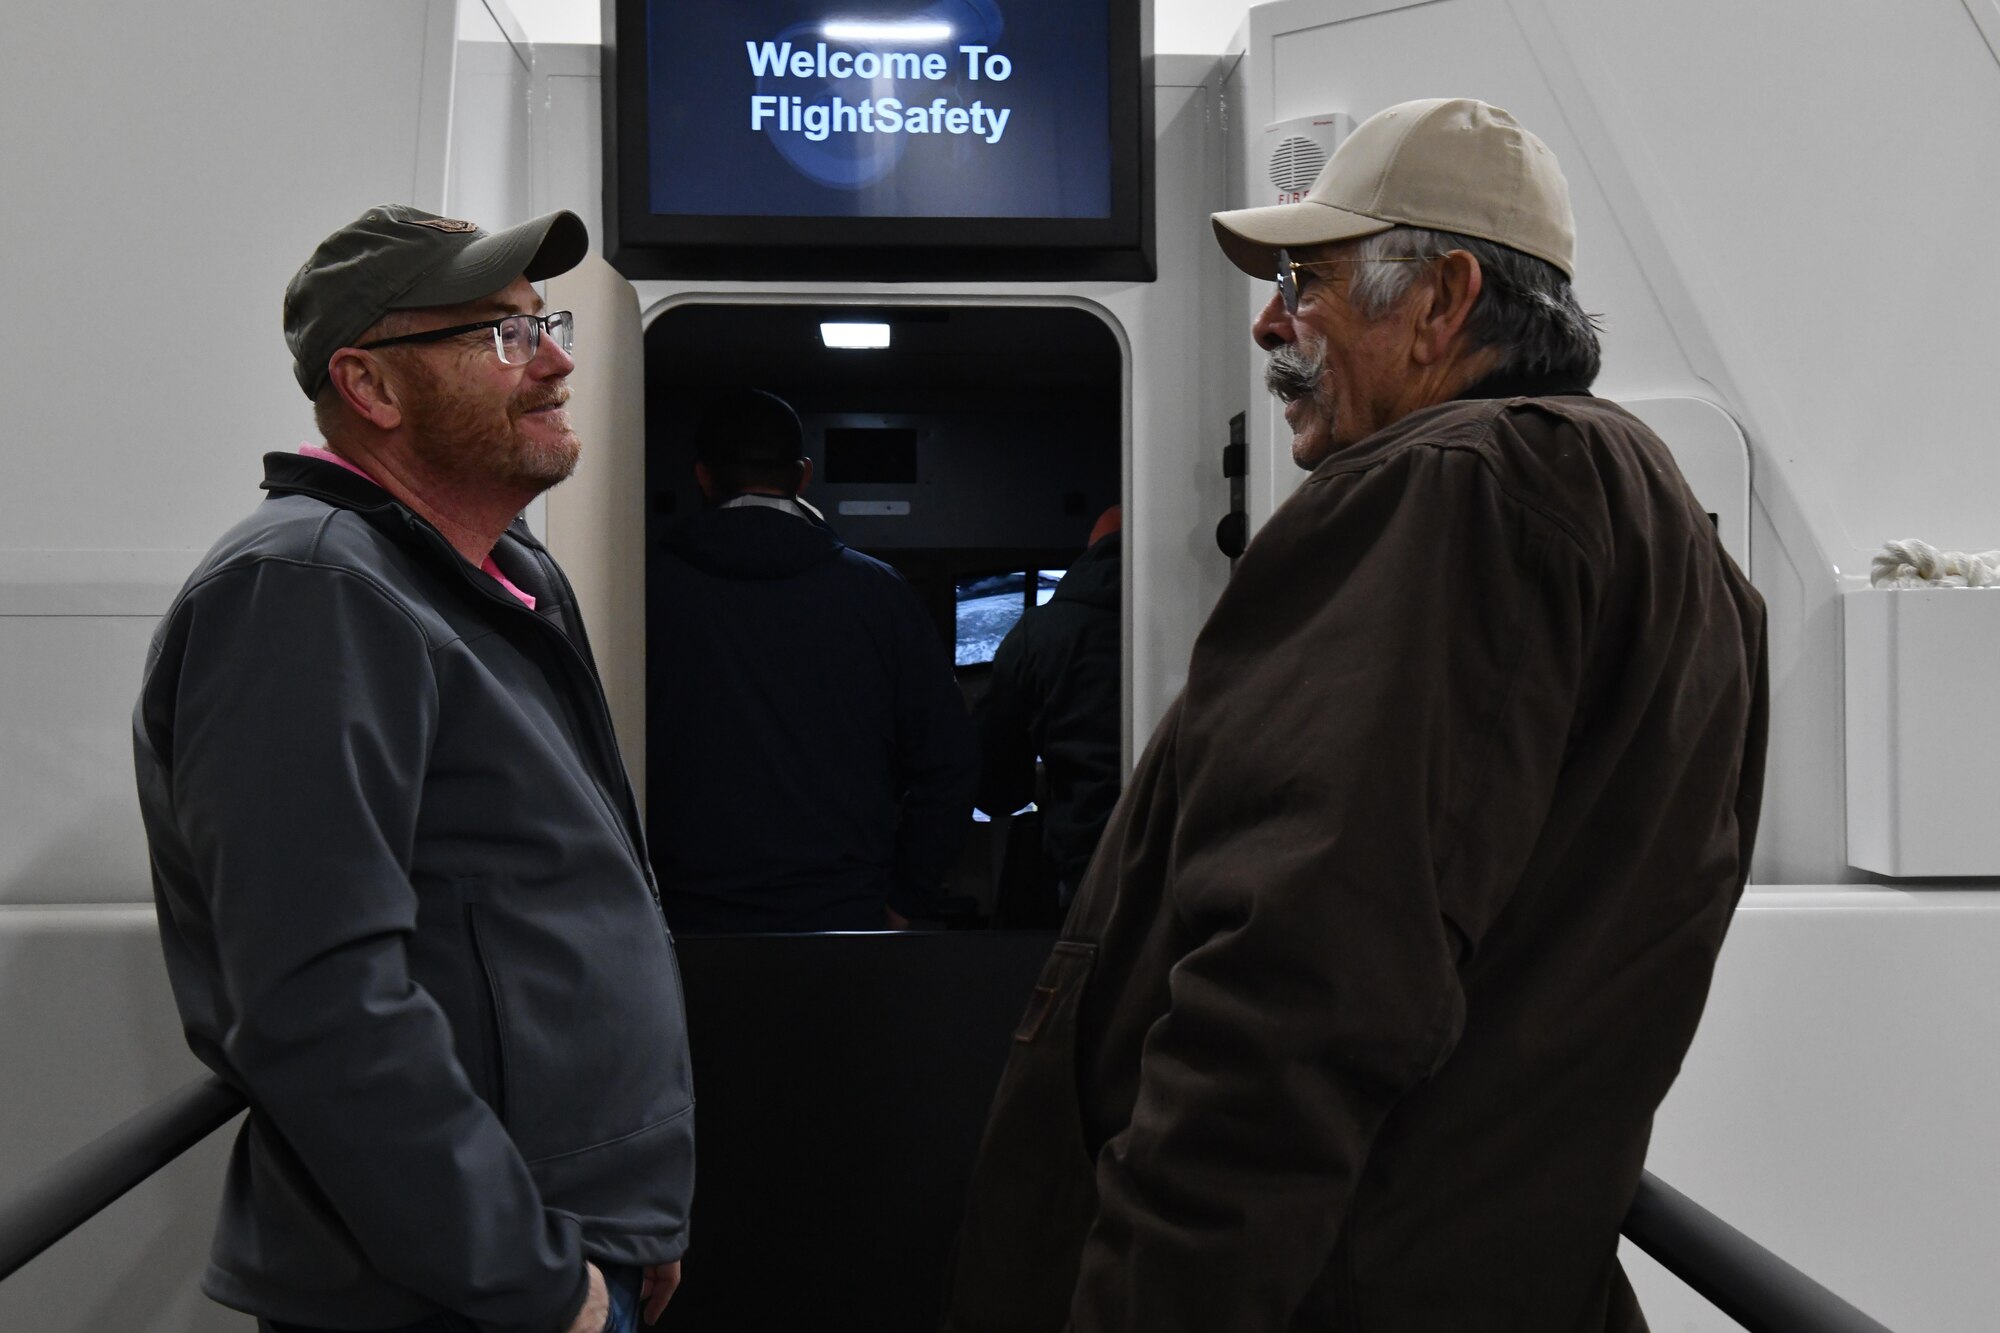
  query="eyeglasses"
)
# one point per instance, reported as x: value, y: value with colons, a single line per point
x: 516, y: 338
x: 1289, y: 270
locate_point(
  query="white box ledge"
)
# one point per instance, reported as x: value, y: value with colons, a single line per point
x: 1923, y: 731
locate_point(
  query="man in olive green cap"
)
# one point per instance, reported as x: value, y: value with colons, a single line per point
x: 1402, y: 925
x: 401, y: 877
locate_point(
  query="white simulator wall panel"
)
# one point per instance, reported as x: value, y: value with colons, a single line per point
x: 1861, y: 389
x: 172, y: 166
x: 67, y: 801
x: 1360, y: 57
x: 175, y: 166
x: 1187, y: 26
x: 491, y: 161
x: 1832, y: 167
x: 571, y: 113
x: 1838, y: 1103
x: 1713, y: 458
x: 185, y: 161
x: 592, y: 518
x: 104, y: 1041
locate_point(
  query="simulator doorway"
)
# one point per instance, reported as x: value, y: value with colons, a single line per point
x: 972, y: 447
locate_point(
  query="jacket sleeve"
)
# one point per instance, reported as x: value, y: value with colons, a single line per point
x: 936, y: 760
x: 1004, y: 722
x: 1374, y: 720
x: 303, y: 719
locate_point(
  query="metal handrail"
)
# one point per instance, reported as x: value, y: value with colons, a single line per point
x: 81, y: 1185
x: 1732, y: 1272
x: 1738, y: 1276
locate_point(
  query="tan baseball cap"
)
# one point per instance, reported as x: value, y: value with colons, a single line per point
x: 1447, y: 164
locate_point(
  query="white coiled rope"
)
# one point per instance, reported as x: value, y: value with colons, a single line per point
x: 1914, y: 564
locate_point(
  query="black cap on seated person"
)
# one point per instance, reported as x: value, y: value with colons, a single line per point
x: 395, y: 257
x: 749, y: 427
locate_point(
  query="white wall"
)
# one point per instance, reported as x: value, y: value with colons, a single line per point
x: 165, y: 185
x: 1837, y: 1104
x: 169, y: 168
x: 184, y: 161
x: 551, y: 22
x: 1827, y: 193
x: 1179, y: 26
x: 88, y: 1036
x: 1196, y: 25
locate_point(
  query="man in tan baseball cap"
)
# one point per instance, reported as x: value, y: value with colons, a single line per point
x: 1402, y: 925
x: 1450, y: 197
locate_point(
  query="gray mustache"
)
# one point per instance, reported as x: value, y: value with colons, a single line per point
x: 1292, y: 374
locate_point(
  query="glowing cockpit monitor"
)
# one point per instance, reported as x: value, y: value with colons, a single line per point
x: 991, y: 605
x: 818, y: 138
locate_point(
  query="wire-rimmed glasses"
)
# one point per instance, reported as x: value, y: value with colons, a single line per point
x: 1289, y: 270
x: 516, y: 338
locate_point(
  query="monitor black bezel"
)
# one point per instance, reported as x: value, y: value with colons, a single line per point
x: 642, y: 244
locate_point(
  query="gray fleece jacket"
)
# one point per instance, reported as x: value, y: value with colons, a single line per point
x: 407, y: 911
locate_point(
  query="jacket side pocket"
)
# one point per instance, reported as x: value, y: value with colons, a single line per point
x: 1034, y: 1192
x: 496, y: 1013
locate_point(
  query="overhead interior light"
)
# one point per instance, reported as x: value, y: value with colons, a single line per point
x: 854, y: 336
x: 862, y: 30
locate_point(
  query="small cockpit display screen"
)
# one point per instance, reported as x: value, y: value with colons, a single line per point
x: 870, y: 455
x: 989, y: 607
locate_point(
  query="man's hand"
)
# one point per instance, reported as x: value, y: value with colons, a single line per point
x: 894, y: 919
x: 658, y: 1288
x: 596, y: 1309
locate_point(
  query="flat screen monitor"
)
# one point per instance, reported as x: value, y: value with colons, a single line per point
x: 823, y: 138
x: 989, y: 607
x: 870, y: 455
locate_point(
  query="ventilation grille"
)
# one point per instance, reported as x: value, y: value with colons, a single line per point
x: 1295, y: 163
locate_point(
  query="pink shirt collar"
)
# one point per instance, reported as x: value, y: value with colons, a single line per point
x: 327, y: 455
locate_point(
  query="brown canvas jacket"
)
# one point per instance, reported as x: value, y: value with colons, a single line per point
x: 1404, y: 923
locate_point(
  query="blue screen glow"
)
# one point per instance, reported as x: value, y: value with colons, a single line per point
x: 960, y: 108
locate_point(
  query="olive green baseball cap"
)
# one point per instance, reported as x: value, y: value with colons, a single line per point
x: 394, y: 257
x: 1445, y: 164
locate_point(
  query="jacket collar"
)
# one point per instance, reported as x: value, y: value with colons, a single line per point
x: 1522, y: 384
x: 297, y: 474
x: 1094, y: 578
x: 1502, y: 384
x: 784, y: 504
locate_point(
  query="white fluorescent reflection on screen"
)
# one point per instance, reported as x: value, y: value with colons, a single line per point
x: 855, y: 337
x: 863, y: 30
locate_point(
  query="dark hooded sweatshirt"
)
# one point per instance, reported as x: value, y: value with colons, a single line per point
x: 811, y: 756
x: 1400, y: 931
x: 1055, y: 692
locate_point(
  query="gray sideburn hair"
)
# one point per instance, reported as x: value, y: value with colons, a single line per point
x: 1527, y: 308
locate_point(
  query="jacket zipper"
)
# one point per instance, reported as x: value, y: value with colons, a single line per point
x: 595, y: 730
x: 601, y: 736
